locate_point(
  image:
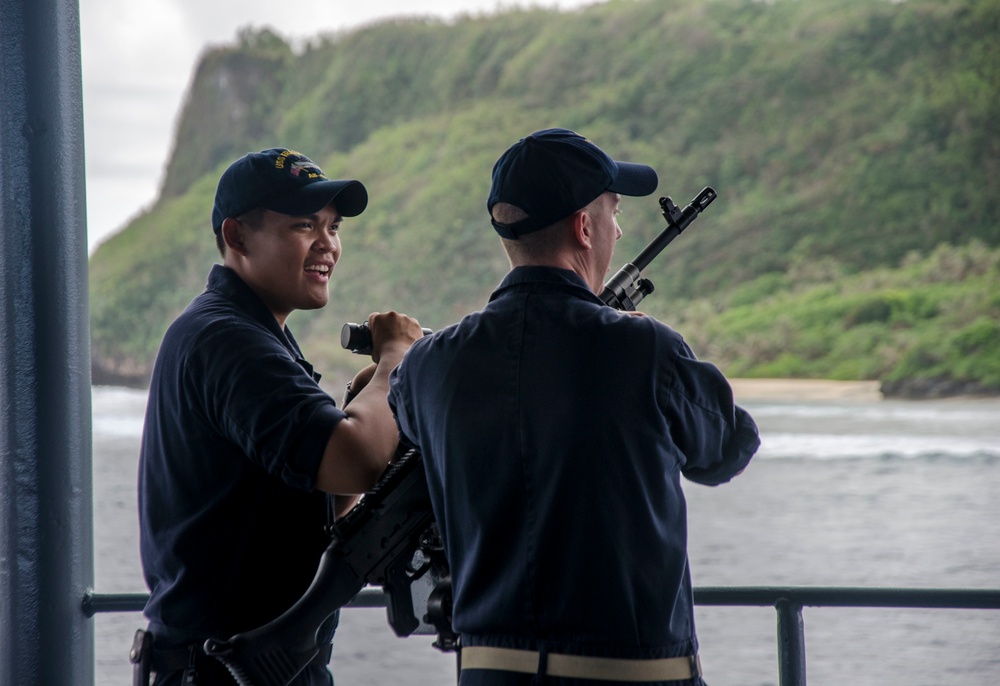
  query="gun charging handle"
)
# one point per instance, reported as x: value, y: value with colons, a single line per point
x: 627, y: 288
x: 358, y: 337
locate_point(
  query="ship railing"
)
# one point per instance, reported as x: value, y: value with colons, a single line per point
x: 788, y: 601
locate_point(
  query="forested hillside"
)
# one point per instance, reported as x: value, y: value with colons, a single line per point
x: 854, y: 146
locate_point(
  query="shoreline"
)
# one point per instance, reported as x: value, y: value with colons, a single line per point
x: 787, y: 390
x: 858, y: 391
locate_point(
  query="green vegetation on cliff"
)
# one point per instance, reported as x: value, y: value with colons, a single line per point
x: 929, y: 326
x: 853, y: 144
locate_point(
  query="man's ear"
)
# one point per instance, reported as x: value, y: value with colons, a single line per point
x: 582, y: 229
x: 233, y: 233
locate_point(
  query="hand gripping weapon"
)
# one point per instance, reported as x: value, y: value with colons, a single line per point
x: 390, y: 538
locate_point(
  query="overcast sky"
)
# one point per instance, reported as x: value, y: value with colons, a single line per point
x: 138, y: 58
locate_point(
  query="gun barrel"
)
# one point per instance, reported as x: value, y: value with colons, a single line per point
x: 677, y: 221
x: 622, y: 291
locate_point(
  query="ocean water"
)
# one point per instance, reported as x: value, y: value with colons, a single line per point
x: 843, y: 493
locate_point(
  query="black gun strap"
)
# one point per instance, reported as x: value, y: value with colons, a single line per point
x: 177, y: 659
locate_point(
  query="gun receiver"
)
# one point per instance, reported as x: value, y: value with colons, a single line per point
x: 627, y: 288
x: 389, y: 539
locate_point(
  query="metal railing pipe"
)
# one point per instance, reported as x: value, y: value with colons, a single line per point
x: 94, y: 603
x: 788, y: 601
x: 734, y: 596
x: 791, y: 644
x: 848, y: 596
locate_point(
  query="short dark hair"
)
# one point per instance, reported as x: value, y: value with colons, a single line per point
x: 252, y: 218
x: 532, y: 245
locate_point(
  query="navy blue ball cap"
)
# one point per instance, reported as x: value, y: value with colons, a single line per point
x: 283, y: 181
x: 555, y: 172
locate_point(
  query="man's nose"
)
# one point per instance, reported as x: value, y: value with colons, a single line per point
x: 326, y: 242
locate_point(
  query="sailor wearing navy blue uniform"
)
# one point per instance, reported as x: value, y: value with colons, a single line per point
x: 241, y: 448
x: 554, y: 431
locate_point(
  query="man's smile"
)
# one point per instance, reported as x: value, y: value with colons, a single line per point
x: 320, y: 271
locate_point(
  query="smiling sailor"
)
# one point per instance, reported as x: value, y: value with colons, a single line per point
x: 244, y: 457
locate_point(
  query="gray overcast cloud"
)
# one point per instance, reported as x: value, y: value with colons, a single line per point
x: 138, y: 58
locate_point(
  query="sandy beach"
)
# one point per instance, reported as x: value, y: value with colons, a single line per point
x: 805, y: 389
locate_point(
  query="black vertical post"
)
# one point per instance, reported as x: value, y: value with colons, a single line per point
x: 46, y: 509
x: 791, y: 643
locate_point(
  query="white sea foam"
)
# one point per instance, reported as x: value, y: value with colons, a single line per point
x: 931, y: 429
x: 117, y: 412
x: 862, y: 446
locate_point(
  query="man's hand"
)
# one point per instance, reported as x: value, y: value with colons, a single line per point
x: 363, y: 442
x: 392, y: 332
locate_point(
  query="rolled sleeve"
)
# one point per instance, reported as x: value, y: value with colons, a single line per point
x: 273, y: 409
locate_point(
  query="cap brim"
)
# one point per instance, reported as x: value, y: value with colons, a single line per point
x: 350, y: 198
x: 634, y: 179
